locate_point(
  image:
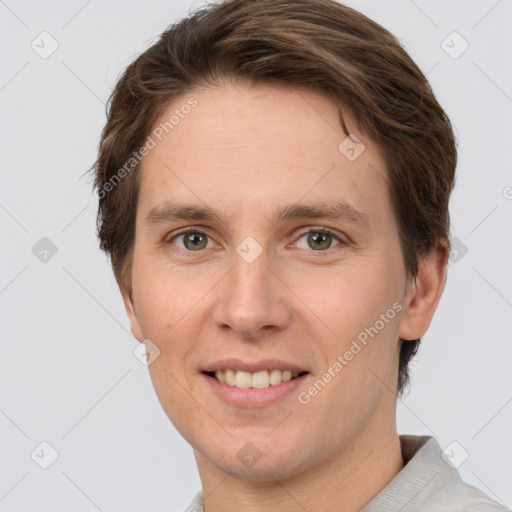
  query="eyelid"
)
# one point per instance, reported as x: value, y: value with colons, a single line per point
x: 167, y: 240
x: 318, y: 229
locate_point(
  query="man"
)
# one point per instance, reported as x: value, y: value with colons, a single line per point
x: 274, y: 179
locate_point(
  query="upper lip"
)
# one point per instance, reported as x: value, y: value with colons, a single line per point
x: 255, y: 366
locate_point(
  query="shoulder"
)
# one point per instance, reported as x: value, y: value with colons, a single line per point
x: 458, y: 496
x: 448, y: 492
x: 429, y: 483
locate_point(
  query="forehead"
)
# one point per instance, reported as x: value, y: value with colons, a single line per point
x: 258, y: 145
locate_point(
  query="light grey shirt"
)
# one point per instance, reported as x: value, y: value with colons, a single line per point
x: 427, y: 483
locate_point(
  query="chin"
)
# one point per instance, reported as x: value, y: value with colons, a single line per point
x: 264, y: 470
x: 261, y: 460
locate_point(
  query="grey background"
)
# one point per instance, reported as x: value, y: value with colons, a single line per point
x: 68, y: 374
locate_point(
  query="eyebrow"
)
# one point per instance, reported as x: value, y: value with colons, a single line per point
x: 339, y: 210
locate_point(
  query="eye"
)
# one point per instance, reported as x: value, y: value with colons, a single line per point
x: 193, y: 240
x: 319, y: 239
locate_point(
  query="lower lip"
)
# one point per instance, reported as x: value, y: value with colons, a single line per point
x: 253, y: 397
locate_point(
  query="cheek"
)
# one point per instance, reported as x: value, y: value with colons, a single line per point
x: 353, y: 297
x: 360, y: 368
x: 362, y: 310
x: 175, y: 396
x: 164, y: 298
x: 171, y: 310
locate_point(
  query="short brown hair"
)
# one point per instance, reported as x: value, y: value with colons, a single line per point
x: 318, y: 44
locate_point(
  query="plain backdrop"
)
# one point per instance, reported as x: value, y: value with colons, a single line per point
x: 69, y: 377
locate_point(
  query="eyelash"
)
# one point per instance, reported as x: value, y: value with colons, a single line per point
x: 327, y: 231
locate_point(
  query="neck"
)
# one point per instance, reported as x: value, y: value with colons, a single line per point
x: 351, y: 476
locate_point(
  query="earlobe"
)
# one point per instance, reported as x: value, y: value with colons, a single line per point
x: 424, y: 294
x: 129, y: 306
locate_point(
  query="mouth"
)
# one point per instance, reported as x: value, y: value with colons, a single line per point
x: 246, y: 384
x: 257, y: 380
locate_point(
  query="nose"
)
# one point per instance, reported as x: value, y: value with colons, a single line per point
x: 252, y: 299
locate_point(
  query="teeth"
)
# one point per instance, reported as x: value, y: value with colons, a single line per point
x: 230, y: 377
x: 243, y: 380
x: 275, y: 377
x: 260, y: 380
x: 221, y: 376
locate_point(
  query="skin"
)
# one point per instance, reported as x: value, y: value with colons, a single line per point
x: 246, y: 151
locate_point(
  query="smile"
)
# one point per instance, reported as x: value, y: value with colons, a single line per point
x: 259, y: 380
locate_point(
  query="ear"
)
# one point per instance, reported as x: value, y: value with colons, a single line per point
x: 129, y: 306
x: 424, y: 293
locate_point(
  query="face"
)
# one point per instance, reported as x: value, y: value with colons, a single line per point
x: 297, y: 268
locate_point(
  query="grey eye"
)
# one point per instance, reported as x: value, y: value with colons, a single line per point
x: 192, y: 240
x: 318, y: 240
